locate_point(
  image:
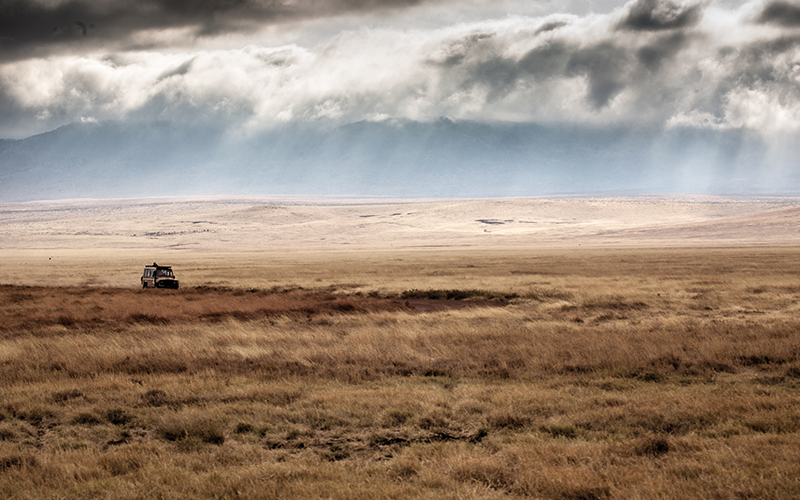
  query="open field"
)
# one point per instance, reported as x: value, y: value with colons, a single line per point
x: 453, y: 370
x: 277, y: 225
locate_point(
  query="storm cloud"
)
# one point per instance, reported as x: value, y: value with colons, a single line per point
x: 658, y: 15
x: 656, y: 63
x: 781, y: 13
x: 31, y: 27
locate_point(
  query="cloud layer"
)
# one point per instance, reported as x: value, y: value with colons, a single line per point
x: 41, y: 26
x: 654, y: 62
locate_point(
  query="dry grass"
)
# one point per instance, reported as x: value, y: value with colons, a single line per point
x: 605, y: 374
x: 37, y: 309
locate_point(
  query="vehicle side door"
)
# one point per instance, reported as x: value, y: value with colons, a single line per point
x: 148, y: 278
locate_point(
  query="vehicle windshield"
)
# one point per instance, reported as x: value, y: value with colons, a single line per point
x: 163, y: 272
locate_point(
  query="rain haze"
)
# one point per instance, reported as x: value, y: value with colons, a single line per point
x: 400, y: 98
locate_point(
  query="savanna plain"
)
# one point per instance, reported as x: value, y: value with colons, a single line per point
x: 624, y: 361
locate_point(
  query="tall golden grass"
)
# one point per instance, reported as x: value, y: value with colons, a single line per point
x: 597, y: 374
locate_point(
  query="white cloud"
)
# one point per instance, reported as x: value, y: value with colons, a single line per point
x: 696, y: 119
x: 761, y: 110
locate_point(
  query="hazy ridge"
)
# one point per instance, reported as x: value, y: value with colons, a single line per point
x: 390, y: 158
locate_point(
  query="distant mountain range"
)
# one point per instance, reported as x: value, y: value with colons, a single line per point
x: 401, y: 159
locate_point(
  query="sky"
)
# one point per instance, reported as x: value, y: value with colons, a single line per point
x: 253, y: 67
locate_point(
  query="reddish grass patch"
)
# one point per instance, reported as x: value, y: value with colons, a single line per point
x: 35, y: 309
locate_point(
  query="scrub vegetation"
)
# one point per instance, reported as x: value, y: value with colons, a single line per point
x: 585, y: 374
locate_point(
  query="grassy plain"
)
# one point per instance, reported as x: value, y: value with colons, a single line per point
x: 573, y: 374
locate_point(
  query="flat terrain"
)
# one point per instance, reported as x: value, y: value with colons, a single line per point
x: 272, y: 224
x: 562, y: 349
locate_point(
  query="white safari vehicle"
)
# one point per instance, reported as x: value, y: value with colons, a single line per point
x: 156, y: 276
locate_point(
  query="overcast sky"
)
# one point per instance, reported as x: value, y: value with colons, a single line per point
x: 254, y: 65
x: 258, y: 63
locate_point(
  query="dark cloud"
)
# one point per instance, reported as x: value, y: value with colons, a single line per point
x: 29, y: 27
x: 609, y: 65
x: 657, y: 15
x: 84, y: 28
x: 547, y: 60
x: 28, y: 22
x: 550, y: 26
x: 180, y: 70
x: 480, y: 61
x: 498, y: 74
x: 764, y: 53
x: 654, y: 54
x: 760, y: 66
x: 781, y: 13
x: 606, y: 66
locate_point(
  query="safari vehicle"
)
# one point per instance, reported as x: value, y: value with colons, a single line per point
x: 156, y: 276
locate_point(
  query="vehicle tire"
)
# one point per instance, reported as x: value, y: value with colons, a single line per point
x: 144, y: 284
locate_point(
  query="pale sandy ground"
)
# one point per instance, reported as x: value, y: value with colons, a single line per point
x: 36, y: 236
